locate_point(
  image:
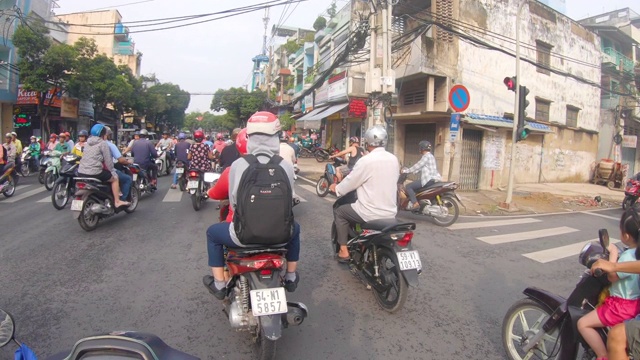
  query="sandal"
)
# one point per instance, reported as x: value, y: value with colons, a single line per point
x: 343, y: 260
x: 123, y: 204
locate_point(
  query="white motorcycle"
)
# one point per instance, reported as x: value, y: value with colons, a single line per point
x: 162, y: 161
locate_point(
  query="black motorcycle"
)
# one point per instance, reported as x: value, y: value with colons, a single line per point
x: 114, y: 345
x: 182, y: 175
x: 544, y: 325
x: 198, y: 183
x: 141, y: 180
x: 381, y: 256
x: 94, y: 201
x: 43, y: 165
x: 65, y: 186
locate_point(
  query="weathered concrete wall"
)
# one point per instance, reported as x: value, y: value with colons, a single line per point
x: 105, y: 43
x: 482, y: 71
x: 607, y: 131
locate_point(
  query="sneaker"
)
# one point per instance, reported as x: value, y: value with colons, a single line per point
x: 209, y: 283
x: 291, y: 286
x: 413, y: 207
x: 173, y: 186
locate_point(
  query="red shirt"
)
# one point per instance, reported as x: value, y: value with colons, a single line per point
x: 221, y: 191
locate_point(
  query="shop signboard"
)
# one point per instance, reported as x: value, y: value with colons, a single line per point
x: 357, y: 109
x: 338, y: 90
x: 322, y: 95
x: 69, y: 108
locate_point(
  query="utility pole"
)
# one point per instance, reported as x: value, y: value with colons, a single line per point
x: 516, y: 111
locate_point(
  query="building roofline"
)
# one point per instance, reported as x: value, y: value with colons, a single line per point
x: 89, y: 12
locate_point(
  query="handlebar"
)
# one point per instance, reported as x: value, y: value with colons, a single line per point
x: 598, y: 272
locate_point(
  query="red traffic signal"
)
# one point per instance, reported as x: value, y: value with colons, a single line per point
x: 511, y: 83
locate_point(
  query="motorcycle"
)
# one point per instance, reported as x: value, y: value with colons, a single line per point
x: 29, y: 164
x: 323, y: 154
x: 631, y: 192
x: 44, y: 164
x: 544, y: 325
x: 65, y: 185
x: 256, y: 301
x: 438, y: 201
x: 52, y: 172
x: 94, y: 201
x: 198, y: 184
x: 162, y: 161
x: 8, y: 182
x: 115, y: 345
x: 182, y: 175
x: 381, y: 256
x: 141, y: 180
x: 329, y: 177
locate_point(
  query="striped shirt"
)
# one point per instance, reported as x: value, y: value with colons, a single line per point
x: 429, y: 168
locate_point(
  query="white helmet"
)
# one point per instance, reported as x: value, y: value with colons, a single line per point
x: 263, y: 122
x: 375, y: 136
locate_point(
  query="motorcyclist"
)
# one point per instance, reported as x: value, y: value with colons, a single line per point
x: 375, y: 179
x: 124, y: 179
x: 168, y: 145
x: 70, y: 142
x: 208, y: 142
x: 182, y: 148
x: 136, y: 136
x: 34, y: 150
x: 219, y: 144
x: 62, y: 145
x: 262, y: 129
x: 97, y: 162
x: 429, y: 173
x: 200, y: 155
x: 143, y: 153
x: 355, y: 153
x: 18, y: 144
x: 230, y: 153
x: 11, y: 152
x: 53, y: 142
x: 287, y: 152
x: 78, y: 148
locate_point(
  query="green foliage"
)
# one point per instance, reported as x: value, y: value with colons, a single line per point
x: 332, y: 10
x: 209, y: 122
x: 286, y: 121
x: 310, y: 37
x: 320, y: 23
x: 291, y: 47
x: 238, y: 103
x: 165, y: 103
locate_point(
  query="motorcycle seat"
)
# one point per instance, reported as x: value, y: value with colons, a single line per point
x: 435, y: 184
x: 257, y: 249
x: 387, y: 224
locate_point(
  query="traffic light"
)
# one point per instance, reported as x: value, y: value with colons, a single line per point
x: 522, y: 106
x: 511, y: 83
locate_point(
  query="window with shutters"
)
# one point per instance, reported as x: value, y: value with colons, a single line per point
x: 414, y: 97
x: 542, y: 110
x: 543, y: 52
x: 572, y: 116
x: 444, y: 14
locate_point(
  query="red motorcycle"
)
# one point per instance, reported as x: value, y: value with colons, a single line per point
x: 438, y: 201
x: 631, y: 192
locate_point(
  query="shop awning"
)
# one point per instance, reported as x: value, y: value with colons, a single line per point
x: 307, y: 122
x: 312, y: 113
x: 330, y: 111
x: 502, y: 122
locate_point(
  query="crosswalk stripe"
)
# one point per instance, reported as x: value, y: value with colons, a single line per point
x: 45, y: 200
x: 25, y: 195
x: 600, y: 215
x: 302, y: 200
x: 560, y: 252
x: 173, y: 195
x: 485, y: 224
x: 527, y: 235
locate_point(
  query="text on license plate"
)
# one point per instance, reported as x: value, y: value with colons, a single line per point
x: 134, y: 177
x: 179, y: 170
x: 409, y: 260
x: 76, y: 205
x: 268, y: 301
x: 192, y: 184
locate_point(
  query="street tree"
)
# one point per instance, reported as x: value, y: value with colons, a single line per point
x: 239, y: 105
x: 320, y: 23
x: 165, y: 104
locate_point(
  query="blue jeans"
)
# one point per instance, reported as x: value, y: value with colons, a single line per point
x: 125, y: 184
x: 218, y: 237
x: 175, y: 175
x: 413, y: 187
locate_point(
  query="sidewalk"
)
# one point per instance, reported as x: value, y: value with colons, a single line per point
x: 528, y: 198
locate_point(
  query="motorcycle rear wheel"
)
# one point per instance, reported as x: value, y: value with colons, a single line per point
x: 453, y: 212
x: 50, y: 180
x: 514, y: 335
x: 26, y: 169
x: 628, y: 202
x: 305, y: 153
x: 266, y: 348
x: 392, y: 277
x: 41, y: 177
x: 196, y: 200
x: 60, y: 195
x: 321, y: 156
x: 134, y: 198
x: 322, y: 187
x: 88, y: 222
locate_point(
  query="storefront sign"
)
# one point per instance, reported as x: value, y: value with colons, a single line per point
x: 85, y: 108
x: 338, y: 90
x: 26, y: 97
x: 69, y: 108
x: 629, y: 141
x: 308, y: 103
x: 357, y: 108
x: 322, y: 95
x: 22, y: 120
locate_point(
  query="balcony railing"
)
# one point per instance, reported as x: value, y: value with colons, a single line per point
x: 611, y: 55
x: 124, y: 48
x: 121, y: 32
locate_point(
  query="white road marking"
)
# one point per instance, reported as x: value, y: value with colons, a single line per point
x: 173, y: 195
x: 45, y: 200
x: 485, y: 224
x: 527, y: 235
x: 560, y: 252
x: 307, y: 180
x: 25, y: 195
x: 302, y: 200
x: 312, y: 189
x: 603, y: 216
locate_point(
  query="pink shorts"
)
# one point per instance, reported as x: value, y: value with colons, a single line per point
x: 615, y: 310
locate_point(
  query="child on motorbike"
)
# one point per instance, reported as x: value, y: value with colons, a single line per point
x: 623, y: 303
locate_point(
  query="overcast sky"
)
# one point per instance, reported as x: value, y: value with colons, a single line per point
x: 205, y: 57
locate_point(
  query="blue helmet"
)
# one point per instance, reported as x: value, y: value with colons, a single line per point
x: 97, y: 129
x: 181, y: 136
x: 83, y: 133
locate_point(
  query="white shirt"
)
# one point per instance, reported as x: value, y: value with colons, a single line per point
x: 375, y: 176
x: 287, y: 153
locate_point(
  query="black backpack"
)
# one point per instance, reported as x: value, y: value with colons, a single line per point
x: 264, y: 208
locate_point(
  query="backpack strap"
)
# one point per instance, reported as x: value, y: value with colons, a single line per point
x: 251, y: 159
x: 276, y: 159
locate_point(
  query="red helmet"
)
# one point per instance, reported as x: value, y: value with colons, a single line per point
x: 263, y: 122
x: 219, y: 136
x: 198, y: 135
x: 241, y: 141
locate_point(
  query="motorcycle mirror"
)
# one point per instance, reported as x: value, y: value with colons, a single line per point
x: 603, y: 234
x: 7, y: 328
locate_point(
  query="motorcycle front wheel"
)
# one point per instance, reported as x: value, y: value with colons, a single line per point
x: 50, y: 180
x: 305, y: 153
x: 41, y: 177
x: 26, y: 169
x: 449, y: 212
x: 60, y: 195
x: 182, y: 182
x: 523, y: 321
x: 322, y: 187
x: 628, y: 202
x: 321, y: 156
x: 9, y: 187
x: 396, y: 290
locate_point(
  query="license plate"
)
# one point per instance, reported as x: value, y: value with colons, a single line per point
x: 179, y: 170
x: 76, y: 205
x: 268, y: 301
x: 192, y: 184
x: 134, y: 176
x: 211, y: 177
x: 409, y: 260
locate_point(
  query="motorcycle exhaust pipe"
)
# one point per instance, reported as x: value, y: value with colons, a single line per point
x: 98, y: 209
x: 296, y: 314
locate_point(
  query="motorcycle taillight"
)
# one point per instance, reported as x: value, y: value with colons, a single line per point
x: 81, y: 185
x: 402, y: 239
x: 194, y: 174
